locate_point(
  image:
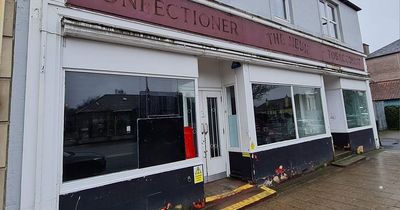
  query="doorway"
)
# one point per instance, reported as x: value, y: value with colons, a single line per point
x: 212, y: 134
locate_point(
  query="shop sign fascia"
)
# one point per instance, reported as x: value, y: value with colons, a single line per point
x: 200, y: 19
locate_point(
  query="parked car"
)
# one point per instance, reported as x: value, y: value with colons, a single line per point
x: 82, y: 164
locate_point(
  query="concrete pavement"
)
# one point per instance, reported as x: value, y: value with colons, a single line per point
x: 370, y: 184
x: 390, y: 139
x: 389, y: 134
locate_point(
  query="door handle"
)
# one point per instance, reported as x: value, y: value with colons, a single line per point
x: 205, y: 128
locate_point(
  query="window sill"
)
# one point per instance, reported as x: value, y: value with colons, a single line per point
x: 285, y: 22
x: 350, y: 130
x: 332, y: 39
x: 289, y: 142
x: 102, y: 180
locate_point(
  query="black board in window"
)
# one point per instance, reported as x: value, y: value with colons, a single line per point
x: 160, y: 141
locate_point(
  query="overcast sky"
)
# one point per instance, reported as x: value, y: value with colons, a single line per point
x: 379, y: 22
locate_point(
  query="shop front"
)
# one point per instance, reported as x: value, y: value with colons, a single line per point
x: 133, y: 118
x: 288, y: 128
x: 350, y: 105
x: 139, y: 110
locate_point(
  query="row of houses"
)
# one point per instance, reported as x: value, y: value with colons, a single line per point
x: 121, y: 104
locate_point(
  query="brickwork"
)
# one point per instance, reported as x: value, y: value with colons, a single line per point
x: 5, y: 88
x: 384, y: 68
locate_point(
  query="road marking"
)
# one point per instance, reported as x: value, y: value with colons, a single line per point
x: 267, y: 192
x: 230, y: 193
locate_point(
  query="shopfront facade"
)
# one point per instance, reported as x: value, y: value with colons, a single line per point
x: 136, y: 104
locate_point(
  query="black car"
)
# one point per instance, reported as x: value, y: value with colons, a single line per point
x: 82, y: 164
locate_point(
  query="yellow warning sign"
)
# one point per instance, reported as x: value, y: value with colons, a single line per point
x: 246, y: 154
x: 252, y: 146
x: 198, y: 174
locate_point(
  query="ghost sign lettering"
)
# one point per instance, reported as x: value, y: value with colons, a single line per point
x: 196, y: 18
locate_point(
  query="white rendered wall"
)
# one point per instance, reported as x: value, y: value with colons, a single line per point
x: 16, y: 130
x: 305, y: 17
x: 228, y: 74
x: 257, y: 7
x: 209, y: 74
x: 349, y: 84
x: 350, y: 27
x: 244, y: 105
x: 334, y: 99
x: 336, y: 112
x: 92, y: 55
x: 273, y: 75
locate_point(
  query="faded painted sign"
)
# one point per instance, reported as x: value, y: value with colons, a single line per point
x: 197, y: 18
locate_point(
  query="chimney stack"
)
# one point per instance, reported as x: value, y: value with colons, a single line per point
x: 366, y: 49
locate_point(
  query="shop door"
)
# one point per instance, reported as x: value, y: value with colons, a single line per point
x: 212, y: 133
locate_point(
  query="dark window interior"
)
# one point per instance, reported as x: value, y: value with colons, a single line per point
x: 160, y: 141
x: 114, y: 123
x: 273, y: 113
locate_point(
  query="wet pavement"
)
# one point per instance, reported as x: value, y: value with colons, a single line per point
x: 370, y: 184
x: 222, y: 186
x: 391, y: 144
x: 389, y: 134
x: 390, y: 139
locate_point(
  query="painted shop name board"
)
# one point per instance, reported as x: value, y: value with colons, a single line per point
x: 193, y: 17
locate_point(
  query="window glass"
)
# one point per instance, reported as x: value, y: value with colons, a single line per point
x: 325, y: 27
x: 331, y: 13
x: 114, y: 123
x: 280, y: 8
x: 357, y: 114
x: 273, y: 113
x: 213, y: 127
x: 232, y: 117
x: 322, y: 9
x: 328, y: 19
x: 309, y: 114
x: 333, y: 29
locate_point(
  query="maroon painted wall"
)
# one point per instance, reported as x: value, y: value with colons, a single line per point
x: 193, y: 17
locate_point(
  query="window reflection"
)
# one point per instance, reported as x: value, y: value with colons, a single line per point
x: 309, y: 113
x: 357, y: 114
x: 273, y: 113
x: 115, y: 123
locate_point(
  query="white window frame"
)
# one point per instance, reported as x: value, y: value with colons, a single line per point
x: 286, y: 6
x: 226, y: 114
x: 123, y: 175
x: 345, y: 113
x: 298, y: 139
x: 326, y: 21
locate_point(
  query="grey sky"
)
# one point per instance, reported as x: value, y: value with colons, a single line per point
x: 379, y: 22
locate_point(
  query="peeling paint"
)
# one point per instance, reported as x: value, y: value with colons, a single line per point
x: 77, y: 203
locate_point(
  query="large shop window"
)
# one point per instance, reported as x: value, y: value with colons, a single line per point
x: 274, y: 115
x: 357, y: 114
x: 309, y: 113
x: 114, y: 123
